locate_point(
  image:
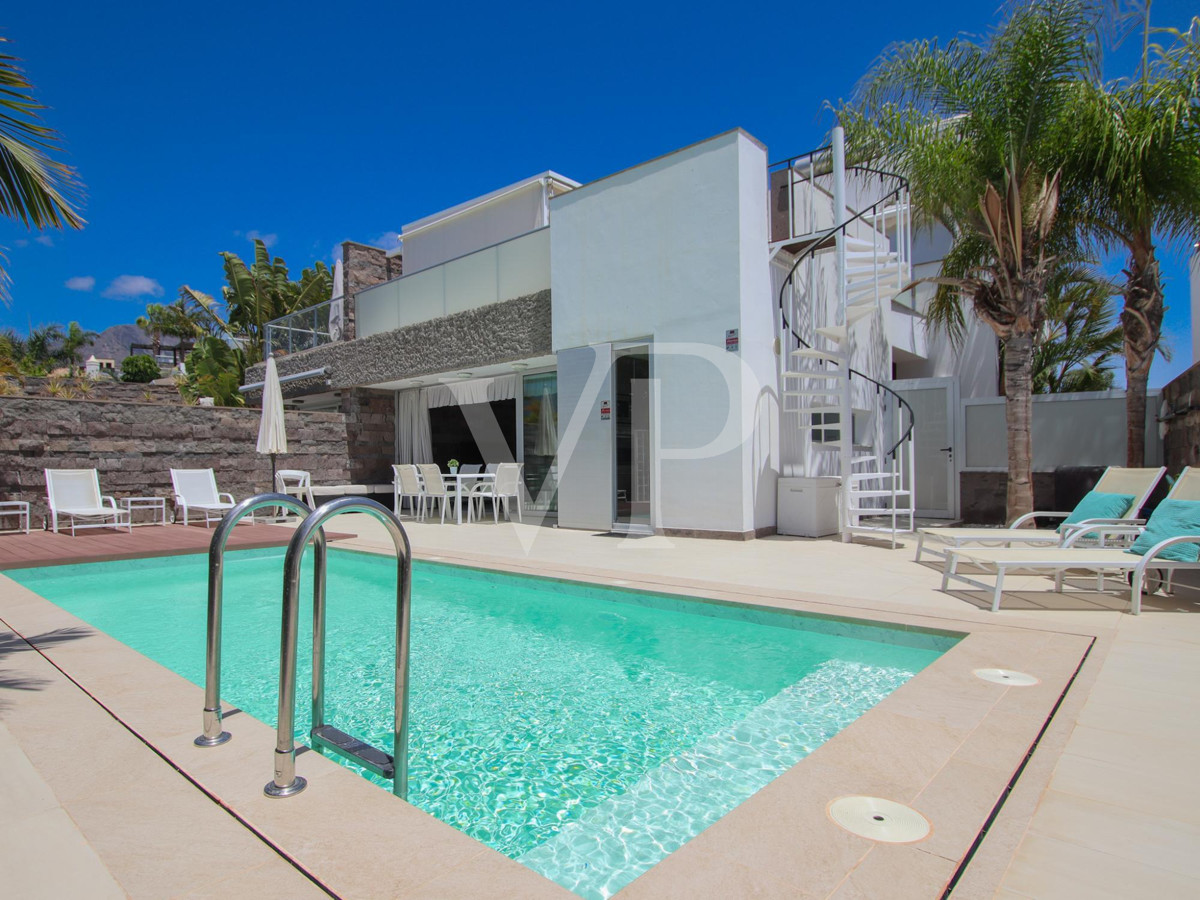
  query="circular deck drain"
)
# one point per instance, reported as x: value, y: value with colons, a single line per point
x: 1007, y: 677
x: 880, y: 820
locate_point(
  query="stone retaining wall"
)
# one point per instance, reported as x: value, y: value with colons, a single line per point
x: 134, y: 446
x: 103, y: 389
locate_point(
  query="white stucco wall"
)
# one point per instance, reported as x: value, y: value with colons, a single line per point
x: 675, y: 250
x: 434, y: 240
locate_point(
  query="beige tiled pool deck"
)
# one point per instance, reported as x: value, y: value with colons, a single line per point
x: 103, y: 793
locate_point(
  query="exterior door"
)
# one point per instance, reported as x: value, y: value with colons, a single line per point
x: 631, y: 438
x: 934, y: 402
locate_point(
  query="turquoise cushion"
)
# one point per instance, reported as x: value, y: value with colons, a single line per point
x: 1098, y: 505
x: 1171, y: 518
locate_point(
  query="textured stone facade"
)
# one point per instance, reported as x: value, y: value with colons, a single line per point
x: 502, y: 332
x: 134, y: 446
x: 362, y: 267
x: 370, y: 434
x: 1181, y: 446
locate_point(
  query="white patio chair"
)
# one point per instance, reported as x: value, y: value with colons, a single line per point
x: 435, y: 489
x: 506, y: 486
x: 295, y: 483
x: 470, y: 469
x: 196, y: 489
x: 75, y: 493
x: 491, y: 468
x: 406, y: 483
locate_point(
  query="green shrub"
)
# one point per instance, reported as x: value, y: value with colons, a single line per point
x: 139, y: 369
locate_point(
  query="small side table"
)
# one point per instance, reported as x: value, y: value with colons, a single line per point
x: 18, y: 508
x: 151, y: 503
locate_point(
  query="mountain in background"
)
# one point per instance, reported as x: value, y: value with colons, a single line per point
x: 113, y: 342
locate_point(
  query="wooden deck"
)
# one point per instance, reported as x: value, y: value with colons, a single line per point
x: 45, y: 548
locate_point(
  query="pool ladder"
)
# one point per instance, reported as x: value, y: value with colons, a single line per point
x: 325, y: 737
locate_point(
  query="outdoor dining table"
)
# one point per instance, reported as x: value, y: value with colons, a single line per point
x: 459, y: 480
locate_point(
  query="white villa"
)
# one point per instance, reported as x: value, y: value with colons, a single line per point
x: 662, y: 346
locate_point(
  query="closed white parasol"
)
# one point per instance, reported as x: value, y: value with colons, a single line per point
x: 272, y: 432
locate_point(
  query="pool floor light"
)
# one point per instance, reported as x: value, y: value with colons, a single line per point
x: 877, y: 819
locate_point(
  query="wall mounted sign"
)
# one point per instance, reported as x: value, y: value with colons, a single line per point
x: 731, y: 340
x: 605, y: 410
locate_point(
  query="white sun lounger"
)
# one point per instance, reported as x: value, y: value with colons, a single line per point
x: 196, y: 490
x: 75, y: 493
x: 1059, y: 560
x: 1115, y: 480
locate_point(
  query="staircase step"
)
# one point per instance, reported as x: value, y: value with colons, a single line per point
x: 872, y: 492
x: 858, y: 477
x: 873, y: 255
x: 860, y: 311
x: 814, y: 353
x: 861, y: 460
x: 813, y: 410
x: 840, y: 376
x: 836, y: 333
x: 874, y: 529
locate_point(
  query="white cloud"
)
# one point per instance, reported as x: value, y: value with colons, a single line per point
x: 80, y: 283
x: 45, y: 240
x: 130, y: 287
x: 389, y: 240
x: 267, y: 239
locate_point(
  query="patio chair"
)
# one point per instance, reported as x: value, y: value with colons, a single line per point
x: 196, y: 489
x: 75, y: 493
x: 1134, y: 484
x: 491, y: 468
x: 406, y: 483
x: 1175, y: 521
x: 435, y: 489
x: 470, y: 469
x: 295, y: 483
x: 506, y: 486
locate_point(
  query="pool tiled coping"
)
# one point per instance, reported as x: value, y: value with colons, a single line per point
x: 945, y: 743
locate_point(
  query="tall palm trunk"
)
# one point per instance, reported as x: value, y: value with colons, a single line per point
x: 1018, y: 415
x: 1141, y: 320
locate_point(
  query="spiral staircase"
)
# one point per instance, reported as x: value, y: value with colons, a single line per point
x: 848, y: 262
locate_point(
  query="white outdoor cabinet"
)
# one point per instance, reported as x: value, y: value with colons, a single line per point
x: 808, y: 507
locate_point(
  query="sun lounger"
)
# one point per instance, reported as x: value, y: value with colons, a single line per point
x: 75, y: 493
x: 1161, y: 533
x: 196, y: 490
x: 1137, y: 483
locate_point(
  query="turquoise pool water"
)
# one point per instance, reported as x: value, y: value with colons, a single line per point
x: 584, y: 731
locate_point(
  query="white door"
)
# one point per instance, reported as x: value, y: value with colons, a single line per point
x: 933, y: 401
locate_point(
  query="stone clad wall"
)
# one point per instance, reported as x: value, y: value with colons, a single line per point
x: 370, y: 434
x: 362, y: 267
x: 1181, y: 446
x: 103, y: 389
x: 134, y: 446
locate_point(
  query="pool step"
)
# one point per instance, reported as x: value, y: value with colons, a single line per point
x: 370, y: 758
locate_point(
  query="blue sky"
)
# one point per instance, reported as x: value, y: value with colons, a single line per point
x: 197, y: 126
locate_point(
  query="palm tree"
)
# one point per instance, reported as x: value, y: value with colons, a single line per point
x: 155, y: 323
x: 975, y: 128
x: 73, y: 341
x: 40, y: 349
x: 256, y: 294
x: 35, y: 189
x: 1079, y: 339
x: 1137, y: 152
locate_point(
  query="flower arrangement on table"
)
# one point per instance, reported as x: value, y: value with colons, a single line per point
x: 452, y: 465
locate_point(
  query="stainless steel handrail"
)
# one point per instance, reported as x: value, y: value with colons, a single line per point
x: 213, y: 736
x: 286, y: 782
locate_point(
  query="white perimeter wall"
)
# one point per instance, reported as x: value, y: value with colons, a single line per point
x: 674, y: 250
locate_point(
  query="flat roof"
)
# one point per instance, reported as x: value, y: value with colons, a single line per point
x: 467, y: 205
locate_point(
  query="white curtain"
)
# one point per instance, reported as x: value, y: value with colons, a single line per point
x: 414, y: 442
x: 478, y: 390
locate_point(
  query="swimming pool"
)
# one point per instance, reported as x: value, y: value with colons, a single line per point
x: 584, y: 731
